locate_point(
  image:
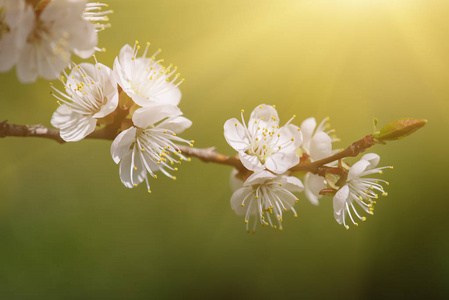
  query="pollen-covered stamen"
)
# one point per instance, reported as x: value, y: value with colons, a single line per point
x: 95, y: 14
x: 86, y: 95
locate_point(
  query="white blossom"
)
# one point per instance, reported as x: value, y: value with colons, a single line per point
x: 362, y: 191
x: 150, y: 145
x: 263, y: 144
x: 144, y: 79
x: 16, y: 21
x: 266, y: 196
x: 59, y: 28
x: 316, y: 145
x: 90, y: 94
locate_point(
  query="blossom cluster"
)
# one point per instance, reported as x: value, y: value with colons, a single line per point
x: 269, y: 152
x: 39, y: 37
x: 146, y: 96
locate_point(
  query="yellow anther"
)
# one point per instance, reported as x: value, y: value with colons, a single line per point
x: 380, y: 172
x: 280, y: 184
x: 174, y: 177
x: 155, y: 176
x: 285, y: 209
x: 274, y: 106
x: 149, y: 192
x: 356, y: 224
x: 242, y: 111
x: 135, y: 184
x: 236, y: 124
x: 135, y: 168
x: 292, y: 139
x: 391, y: 168
x: 257, y: 197
x: 385, y: 194
x: 295, y: 216
x: 176, y: 169
x: 246, y: 221
x: 174, y: 134
x: 280, y: 228
x: 143, y: 150
x: 296, y: 199
x: 243, y: 204
x: 363, y: 219
x: 347, y: 227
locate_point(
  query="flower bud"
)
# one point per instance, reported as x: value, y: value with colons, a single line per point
x: 399, y: 129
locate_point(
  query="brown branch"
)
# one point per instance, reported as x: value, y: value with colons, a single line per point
x: 318, y: 167
x: 109, y: 132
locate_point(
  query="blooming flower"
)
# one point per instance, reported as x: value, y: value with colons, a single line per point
x: 15, y: 24
x: 60, y: 27
x: 263, y: 144
x: 144, y: 79
x: 150, y: 145
x: 90, y: 94
x: 359, y: 190
x: 316, y: 145
x: 266, y: 192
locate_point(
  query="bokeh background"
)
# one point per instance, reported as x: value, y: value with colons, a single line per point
x: 70, y: 230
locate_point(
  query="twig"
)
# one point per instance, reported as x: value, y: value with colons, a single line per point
x: 109, y: 132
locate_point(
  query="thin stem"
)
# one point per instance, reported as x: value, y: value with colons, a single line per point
x: 109, y: 132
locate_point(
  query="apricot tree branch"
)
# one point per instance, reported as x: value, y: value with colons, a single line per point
x: 109, y: 132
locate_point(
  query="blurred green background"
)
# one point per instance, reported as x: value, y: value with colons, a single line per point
x: 70, y: 230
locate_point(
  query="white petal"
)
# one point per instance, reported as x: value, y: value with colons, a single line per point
x: 287, y: 133
x: 357, y: 169
x: 235, y: 135
x: 73, y: 126
x: 264, y: 112
x: 281, y: 162
x: 373, y: 160
x: 122, y: 143
x: 250, y: 162
x: 340, y: 199
x: 170, y: 95
x: 127, y: 169
x: 320, y: 146
x: 313, y: 184
x: 237, y: 199
x: 177, y: 124
x: 234, y: 182
x: 293, y: 184
x: 307, y: 129
x: 146, y: 116
x: 259, y: 178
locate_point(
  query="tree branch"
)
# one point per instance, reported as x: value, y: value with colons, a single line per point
x: 109, y: 132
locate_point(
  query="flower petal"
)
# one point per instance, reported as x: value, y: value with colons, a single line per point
x: 320, y: 146
x: 340, y: 198
x: 281, y: 162
x: 150, y: 115
x: 264, y: 112
x: 259, y: 178
x: 373, y: 160
x: 128, y: 175
x: 237, y: 199
x: 122, y: 143
x: 250, y: 162
x: 235, y: 182
x: 307, y: 129
x: 73, y: 126
x: 235, y: 135
x: 293, y: 184
x: 313, y: 184
x: 357, y: 169
x: 176, y: 124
